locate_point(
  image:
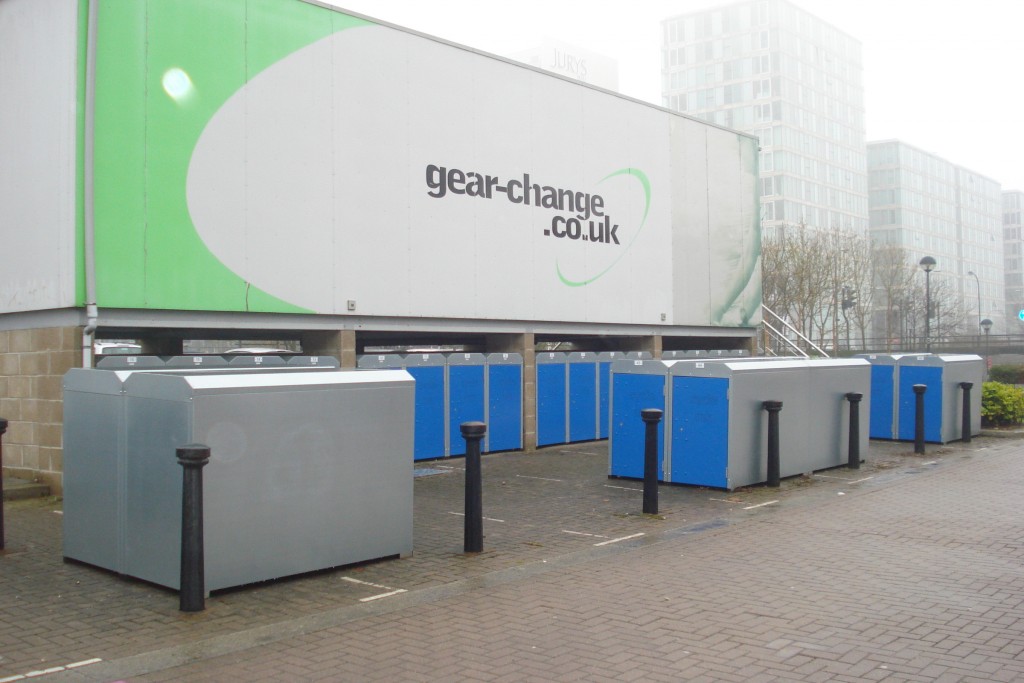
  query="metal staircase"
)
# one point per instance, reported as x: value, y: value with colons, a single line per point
x: 781, y: 331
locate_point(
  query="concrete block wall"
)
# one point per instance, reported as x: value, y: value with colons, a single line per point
x: 32, y: 367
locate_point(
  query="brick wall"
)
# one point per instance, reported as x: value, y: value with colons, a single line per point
x: 32, y: 365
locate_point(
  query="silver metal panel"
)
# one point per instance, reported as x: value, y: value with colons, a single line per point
x: 309, y: 470
x: 255, y: 361
x: 381, y: 360
x: 956, y: 368
x: 154, y: 428
x: 750, y: 385
x: 423, y: 359
x: 130, y: 362
x: 313, y: 361
x: 828, y: 432
x: 643, y: 367
x: 465, y: 359
x: 195, y: 361
x: 813, y: 424
x: 306, y: 480
x: 38, y: 175
x: 504, y: 359
x: 93, y: 461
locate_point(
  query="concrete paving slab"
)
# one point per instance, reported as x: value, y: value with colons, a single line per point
x: 819, y: 579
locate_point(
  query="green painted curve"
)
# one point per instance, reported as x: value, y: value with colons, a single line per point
x: 148, y: 253
x: 645, y: 183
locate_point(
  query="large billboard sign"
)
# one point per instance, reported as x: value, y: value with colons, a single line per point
x: 280, y: 156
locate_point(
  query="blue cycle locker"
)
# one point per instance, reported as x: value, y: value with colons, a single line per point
x: 943, y: 400
x: 715, y: 419
x: 466, y: 396
x: 604, y: 383
x: 636, y: 384
x: 584, y: 402
x: 719, y: 425
x: 428, y: 369
x: 552, y: 398
x: 884, y: 390
x: 504, y: 381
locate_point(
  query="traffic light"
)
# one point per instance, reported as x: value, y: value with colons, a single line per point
x: 849, y: 298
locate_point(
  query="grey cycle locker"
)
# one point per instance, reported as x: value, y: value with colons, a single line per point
x: 942, y: 374
x: 309, y: 470
x: 715, y: 425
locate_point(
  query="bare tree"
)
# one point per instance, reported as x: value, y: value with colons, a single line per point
x: 893, y: 291
x: 795, y: 276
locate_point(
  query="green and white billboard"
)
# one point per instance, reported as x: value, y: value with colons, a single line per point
x: 279, y: 156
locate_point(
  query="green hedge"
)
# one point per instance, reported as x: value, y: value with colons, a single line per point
x: 1007, y: 374
x: 1001, y: 404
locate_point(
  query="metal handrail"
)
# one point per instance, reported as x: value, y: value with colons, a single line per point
x: 793, y: 330
x: 779, y: 335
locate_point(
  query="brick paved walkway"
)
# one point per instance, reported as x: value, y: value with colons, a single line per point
x: 910, y: 569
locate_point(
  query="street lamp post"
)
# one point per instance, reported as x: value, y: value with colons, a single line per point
x: 928, y: 265
x: 986, y: 325
x: 977, y: 282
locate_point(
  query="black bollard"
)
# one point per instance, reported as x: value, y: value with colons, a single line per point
x: 773, y: 408
x: 192, y: 591
x: 854, y: 455
x: 965, y: 423
x: 919, y: 390
x: 473, y: 540
x: 3, y: 430
x: 651, y: 418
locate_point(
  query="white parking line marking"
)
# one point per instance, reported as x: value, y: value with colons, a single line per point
x: 616, y: 540
x: 580, y: 533
x: 382, y: 595
x: 366, y: 583
x: 52, y: 670
x: 86, y: 662
x: 761, y: 505
x: 524, y: 476
x: 624, y: 488
x: 857, y: 481
x: 725, y: 500
x: 43, y: 672
x: 489, y: 519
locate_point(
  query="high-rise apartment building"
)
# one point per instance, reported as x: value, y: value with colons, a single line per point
x: 1013, y: 258
x: 770, y: 68
x: 932, y: 207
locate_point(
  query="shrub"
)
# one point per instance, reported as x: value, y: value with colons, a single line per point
x: 1007, y: 374
x: 1001, y: 404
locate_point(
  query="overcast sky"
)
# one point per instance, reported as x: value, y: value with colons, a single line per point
x: 947, y: 77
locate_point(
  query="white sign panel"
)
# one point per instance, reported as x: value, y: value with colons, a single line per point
x: 418, y: 179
